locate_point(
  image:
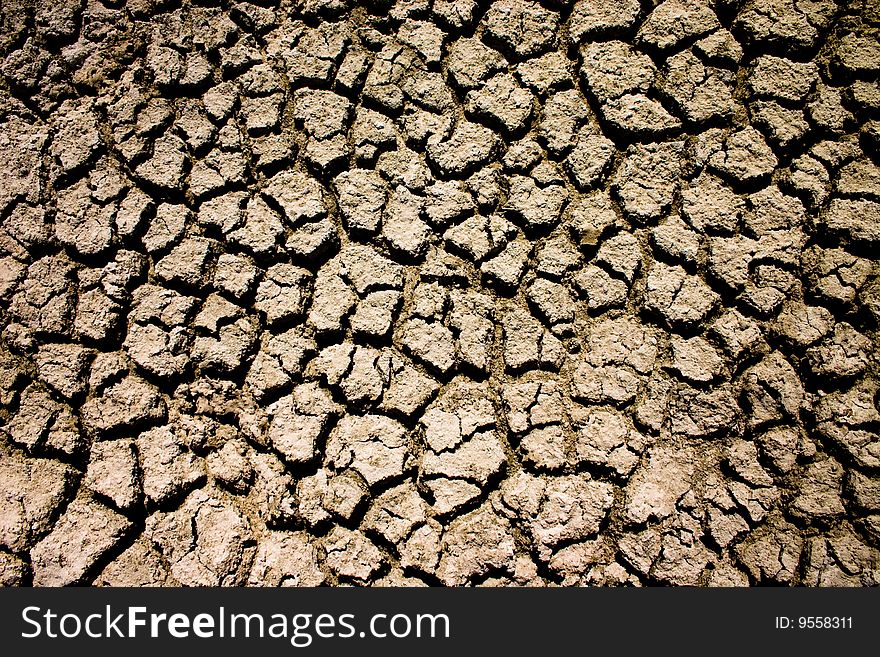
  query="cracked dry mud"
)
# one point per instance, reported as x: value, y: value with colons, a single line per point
x: 439, y: 292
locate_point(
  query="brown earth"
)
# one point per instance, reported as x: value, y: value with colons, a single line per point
x: 439, y: 292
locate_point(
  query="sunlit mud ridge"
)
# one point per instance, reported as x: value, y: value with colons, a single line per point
x: 439, y: 292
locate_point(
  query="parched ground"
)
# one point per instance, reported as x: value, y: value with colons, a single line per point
x: 439, y: 292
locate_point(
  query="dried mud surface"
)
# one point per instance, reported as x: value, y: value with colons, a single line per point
x: 439, y: 292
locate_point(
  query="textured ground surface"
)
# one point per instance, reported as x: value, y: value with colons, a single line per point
x: 443, y: 292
